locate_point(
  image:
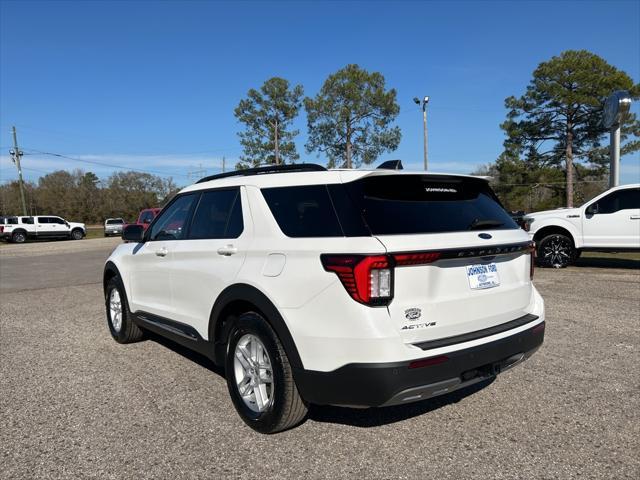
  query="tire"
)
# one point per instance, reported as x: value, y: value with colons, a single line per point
x: 123, y: 330
x: 77, y: 234
x: 283, y: 408
x: 19, y: 237
x: 557, y: 251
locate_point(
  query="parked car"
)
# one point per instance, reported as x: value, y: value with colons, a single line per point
x: 608, y: 223
x: 42, y: 227
x: 113, y: 226
x: 146, y: 216
x: 333, y: 287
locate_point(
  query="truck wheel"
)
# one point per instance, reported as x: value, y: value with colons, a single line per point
x: 556, y: 251
x: 259, y: 377
x: 119, y: 318
x: 19, y: 237
x: 77, y: 234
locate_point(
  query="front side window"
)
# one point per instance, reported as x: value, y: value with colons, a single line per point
x: 171, y: 223
x: 58, y: 220
x: 218, y: 215
x: 619, y: 200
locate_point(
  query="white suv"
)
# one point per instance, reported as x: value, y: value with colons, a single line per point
x: 332, y: 287
x: 609, y: 222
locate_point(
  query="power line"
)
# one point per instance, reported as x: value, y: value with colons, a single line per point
x: 104, y: 164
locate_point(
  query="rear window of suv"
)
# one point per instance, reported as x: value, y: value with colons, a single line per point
x: 414, y: 204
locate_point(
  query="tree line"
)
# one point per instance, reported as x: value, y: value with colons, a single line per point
x: 81, y: 196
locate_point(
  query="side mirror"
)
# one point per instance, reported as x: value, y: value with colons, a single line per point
x: 133, y: 233
x: 146, y: 220
x: 66, y: 223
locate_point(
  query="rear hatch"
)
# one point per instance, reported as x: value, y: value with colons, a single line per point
x: 462, y: 263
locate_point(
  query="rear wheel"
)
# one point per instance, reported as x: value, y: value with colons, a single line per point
x: 259, y: 377
x: 556, y: 251
x: 19, y: 237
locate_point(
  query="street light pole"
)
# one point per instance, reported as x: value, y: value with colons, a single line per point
x: 424, y: 103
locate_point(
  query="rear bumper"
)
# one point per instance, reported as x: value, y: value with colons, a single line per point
x: 384, y: 384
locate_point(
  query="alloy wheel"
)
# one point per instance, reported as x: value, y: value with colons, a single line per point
x: 253, y: 373
x: 115, y: 310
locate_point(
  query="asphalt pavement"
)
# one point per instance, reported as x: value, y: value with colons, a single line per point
x: 75, y: 404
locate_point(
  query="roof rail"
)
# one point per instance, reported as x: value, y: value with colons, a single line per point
x: 289, y: 168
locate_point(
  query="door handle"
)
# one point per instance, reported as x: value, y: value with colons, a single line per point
x: 161, y: 252
x: 635, y: 217
x: 227, y: 251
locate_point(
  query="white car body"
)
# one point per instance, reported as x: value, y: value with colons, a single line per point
x: 43, y: 227
x: 182, y: 286
x: 617, y: 230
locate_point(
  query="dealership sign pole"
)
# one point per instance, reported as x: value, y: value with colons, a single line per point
x: 615, y: 109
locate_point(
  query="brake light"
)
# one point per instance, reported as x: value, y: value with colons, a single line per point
x: 416, y: 258
x: 367, y: 278
x: 532, y: 252
x: 1, y: 228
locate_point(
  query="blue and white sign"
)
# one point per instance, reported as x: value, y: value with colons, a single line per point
x: 483, y: 276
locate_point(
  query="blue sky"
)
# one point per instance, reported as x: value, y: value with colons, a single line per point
x: 153, y: 85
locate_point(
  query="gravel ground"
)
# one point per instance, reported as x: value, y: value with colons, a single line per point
x: 75, y: 404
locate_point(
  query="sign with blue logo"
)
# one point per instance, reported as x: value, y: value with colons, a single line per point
x: 483, y: 276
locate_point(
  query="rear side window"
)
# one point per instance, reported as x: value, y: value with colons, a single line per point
x: 42, y: 220
x: 27, y: 220
x: 12, y: 221
x: 303, y: 211
x: 218, y: 215
x: 414, y: 204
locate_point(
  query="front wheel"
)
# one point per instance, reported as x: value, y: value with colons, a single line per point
x: 77, y: 234
x: 259, y: 377
x: 556, y: 251
x: 121, y: 325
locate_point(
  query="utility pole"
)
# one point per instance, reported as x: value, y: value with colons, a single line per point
x: 223, y: 163
x: 201, y: 172
x: 424, y: 103
x: 16, y: 153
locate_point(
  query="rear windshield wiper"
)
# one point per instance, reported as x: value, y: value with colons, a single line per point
x: 478, y: 224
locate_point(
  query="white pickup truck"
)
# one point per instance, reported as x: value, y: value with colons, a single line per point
x: 609, y: 222
x: 19, y: 229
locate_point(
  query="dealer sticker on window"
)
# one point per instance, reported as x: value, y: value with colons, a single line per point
x: 483, y: 276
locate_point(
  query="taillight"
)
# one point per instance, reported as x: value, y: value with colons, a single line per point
x: 367, y: 278
x: 532, y: 252
x: 1, y: 228
x: 427, y: 362
x: 416, y: 258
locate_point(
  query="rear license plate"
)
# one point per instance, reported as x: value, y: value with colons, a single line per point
x: 483, y: 276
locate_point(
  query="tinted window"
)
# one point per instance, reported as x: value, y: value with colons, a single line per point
x: 27, y: 220
x: 171, y: 223
x: 42, y: 220
x: 58, y: 220
x: 304, y: 211
x: 411, y: 204
x: 218, y: 215
x: 620, y: 200
x: 147, y: 216
x: 115, y: 221
x: 11, y: 221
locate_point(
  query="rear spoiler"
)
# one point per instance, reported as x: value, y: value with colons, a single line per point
x: 391, y: 165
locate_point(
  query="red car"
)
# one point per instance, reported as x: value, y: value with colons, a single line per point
x: 146, y: 216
